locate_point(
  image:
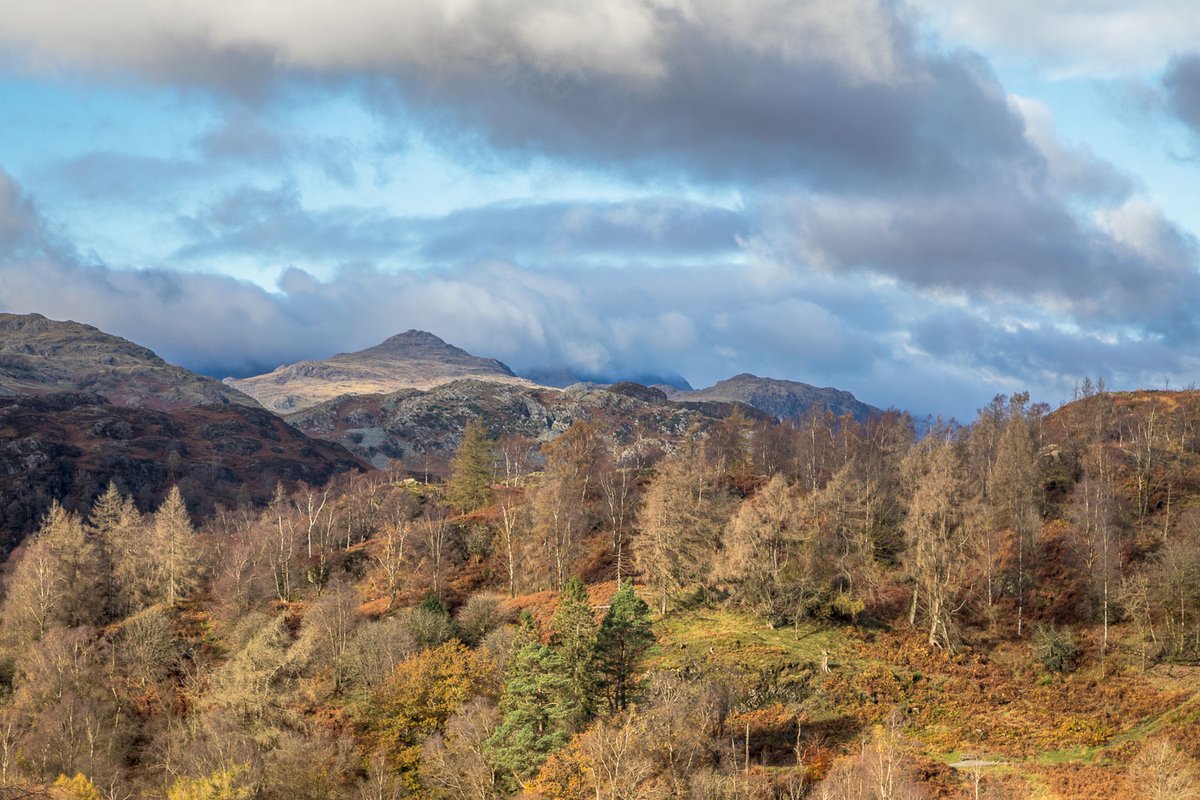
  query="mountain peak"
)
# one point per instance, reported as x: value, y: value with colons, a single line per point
x: 414, y: 359
x: 414, y: 336
x: 416, y: 344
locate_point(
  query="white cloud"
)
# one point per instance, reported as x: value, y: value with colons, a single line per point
x: 621, y: 38
x: 1074, y: 167
x: 1104, y: 38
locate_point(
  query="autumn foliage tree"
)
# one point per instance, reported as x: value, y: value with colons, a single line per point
x: 937, y: 530
x: 471, y: 470
x: 683, y: 514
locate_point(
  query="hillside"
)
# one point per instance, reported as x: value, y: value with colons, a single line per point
x: 68, y: 447
x: 779, y: 398
x: 410, y: 360
x: 41, y: 356
x: 414, y: 424
x: 738, y: 607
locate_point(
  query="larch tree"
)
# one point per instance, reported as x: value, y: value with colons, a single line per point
x: 682, y: 516
x: 114, y: 525
x: 176, y: 555
x: 80, y: 566
x: 728, y: 447
x: 841, y: 519
x: 761, y: 541
x: 55, y: 581
x: 471, y: 470
x: 937, y: 535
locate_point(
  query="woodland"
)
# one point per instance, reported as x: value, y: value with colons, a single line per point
x: 822, y: 608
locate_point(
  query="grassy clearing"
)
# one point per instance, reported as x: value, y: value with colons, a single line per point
x: 731, y: 639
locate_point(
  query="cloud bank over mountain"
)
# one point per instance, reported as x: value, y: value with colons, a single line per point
x: 820, y: 191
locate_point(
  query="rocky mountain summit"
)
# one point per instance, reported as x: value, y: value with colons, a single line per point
x: 411, y: 360
x: 41, y: 356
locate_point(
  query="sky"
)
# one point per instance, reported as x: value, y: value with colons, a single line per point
x: 926, y: 203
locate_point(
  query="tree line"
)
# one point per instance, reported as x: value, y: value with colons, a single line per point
x: 494, y: 634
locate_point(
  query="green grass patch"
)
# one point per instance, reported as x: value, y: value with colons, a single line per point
x: 729, y: 638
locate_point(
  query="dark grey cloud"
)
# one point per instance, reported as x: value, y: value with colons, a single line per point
x: 644, y: 227
x: 1128, y: 266
x: 1037, y: 349
x: 20, y: 224
x: 727, y: 114
x: 834, y: 93
x: 1182, y: 85
x: 276, y: 224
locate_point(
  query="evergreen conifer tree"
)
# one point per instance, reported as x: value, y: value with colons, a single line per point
x: 574, y: 637
x: 537, y: 706
x: 623, y: 639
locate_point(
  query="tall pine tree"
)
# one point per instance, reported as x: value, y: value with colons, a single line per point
x: 623, y: 639
x: 537, y: 706
x: 574, y: 637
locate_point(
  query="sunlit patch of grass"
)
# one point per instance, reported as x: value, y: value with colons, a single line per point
x: 732, y: 639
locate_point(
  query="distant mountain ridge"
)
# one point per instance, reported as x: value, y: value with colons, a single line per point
x: 779, y: 398
x: 410, y: 360
x: 563, y: 377
x: 42, y: 356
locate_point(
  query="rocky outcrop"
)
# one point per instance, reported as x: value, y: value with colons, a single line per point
x: 412, y: 425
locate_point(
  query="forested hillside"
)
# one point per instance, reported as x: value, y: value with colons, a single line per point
x: 831, y: 608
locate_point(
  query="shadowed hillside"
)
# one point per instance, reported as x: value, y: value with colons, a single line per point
x: 68, y: 447
x: 40, y: 356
